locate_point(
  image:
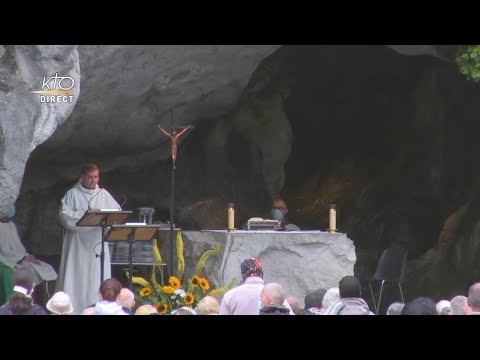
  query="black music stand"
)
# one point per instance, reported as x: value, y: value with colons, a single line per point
x: 103, y: 218
x: 131, y: 233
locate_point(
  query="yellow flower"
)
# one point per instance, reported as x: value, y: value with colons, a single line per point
x: 204, y: 284
x: 171, y: 295
x: 174, y: 282
x: 189, y: 299
x: 168, y: 289
x: 145, y: 291
x: 161, y: 307
x: 196, y: 280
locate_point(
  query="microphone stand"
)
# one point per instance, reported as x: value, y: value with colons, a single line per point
x: 102, y: 252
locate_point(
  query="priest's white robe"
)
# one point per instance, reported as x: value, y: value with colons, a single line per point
x: 12, y: 251
x: 79, y: 274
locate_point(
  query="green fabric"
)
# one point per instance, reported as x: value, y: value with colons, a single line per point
x: 6, y: 283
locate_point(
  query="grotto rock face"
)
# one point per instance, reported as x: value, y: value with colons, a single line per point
x: 387, y: 134
x: 26, y: 122
x: 126, y: 92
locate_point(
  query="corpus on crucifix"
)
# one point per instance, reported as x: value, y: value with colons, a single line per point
x: 174, y: 138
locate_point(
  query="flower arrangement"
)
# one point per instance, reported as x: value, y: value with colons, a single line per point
x: 171, y: 295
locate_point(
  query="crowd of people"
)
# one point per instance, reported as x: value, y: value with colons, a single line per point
x: 252, y: 297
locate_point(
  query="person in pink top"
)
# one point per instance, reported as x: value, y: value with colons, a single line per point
x: 244, y: 299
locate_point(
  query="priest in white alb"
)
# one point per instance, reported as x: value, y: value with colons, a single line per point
x: 80, y: 270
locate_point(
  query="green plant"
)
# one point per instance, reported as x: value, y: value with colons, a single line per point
x: 171, y: 295
x: 468, y: 61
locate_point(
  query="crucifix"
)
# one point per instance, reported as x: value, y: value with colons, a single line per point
x: 174, y: 136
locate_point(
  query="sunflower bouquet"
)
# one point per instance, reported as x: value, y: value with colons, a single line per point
x: 171, y: 295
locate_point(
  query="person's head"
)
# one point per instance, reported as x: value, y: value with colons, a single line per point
x: 60, y: 304
x: 90, y: 175
x: 146, y: 310
x: 474, y: 297
x: 184, y: 310
x: 23, y: 278
x: 208, y: 306
x: 459, y: 305
x: 279, y: 208
x: 126, y: 298
x: 110, y: 289
x: 10, y: 213
x: 419, y: 306
x: 395, y: 308
x: 294, y: 303
x: 350, y: 287
x: 251, y: 267
x: 315, y: 299
x: 21, y: 300
x: 89, y: 311
x: 441, y: 305
x: 331, y: 296
x: 446, y: 311
x: 272, y: 294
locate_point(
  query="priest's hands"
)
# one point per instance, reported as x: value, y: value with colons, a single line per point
x: 31, y: 258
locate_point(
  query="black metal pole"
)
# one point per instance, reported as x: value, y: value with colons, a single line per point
x: 130, y: 261
x: 102, y: 252
x: 172, y: 207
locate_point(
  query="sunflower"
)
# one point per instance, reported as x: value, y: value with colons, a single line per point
x: 174, y: 282
x: 196, y: 280
x: 145, y: 292
x: 189, y: 299
x: 161, y: 307
x: 168, y: 289
x: 204, y: 284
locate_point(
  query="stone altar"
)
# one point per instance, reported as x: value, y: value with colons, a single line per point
x: 302, y: 261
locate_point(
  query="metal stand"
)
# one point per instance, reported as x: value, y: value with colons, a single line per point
x: 130, y: 261
x: 102, y: 251
x: 172, y: 207
x: 103, y: 219
x: 131, y: 234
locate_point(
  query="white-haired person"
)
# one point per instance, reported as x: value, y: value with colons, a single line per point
x: 126, y: 300
x: 443, y: 307
x: 395, y: 308
x: 272, y: 298
x: 208, y: 306
x: 184, y: 310
x: 331, y: 297
x: 146, y: 310
x: 459, y: 305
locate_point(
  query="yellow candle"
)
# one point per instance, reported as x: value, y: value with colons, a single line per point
x: 333, y: 219
x: 231, y: 217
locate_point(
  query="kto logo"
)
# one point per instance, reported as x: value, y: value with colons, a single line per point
x: 56, y: 89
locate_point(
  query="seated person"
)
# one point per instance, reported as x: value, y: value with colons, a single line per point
x: 14, y: 255
x: 279, y: 212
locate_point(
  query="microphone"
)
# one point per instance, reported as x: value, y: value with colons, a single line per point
x: 124, y: 201
x: 93, y: 197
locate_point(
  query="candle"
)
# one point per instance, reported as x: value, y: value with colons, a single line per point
x: 333, y: 219
x: 231, y: 217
